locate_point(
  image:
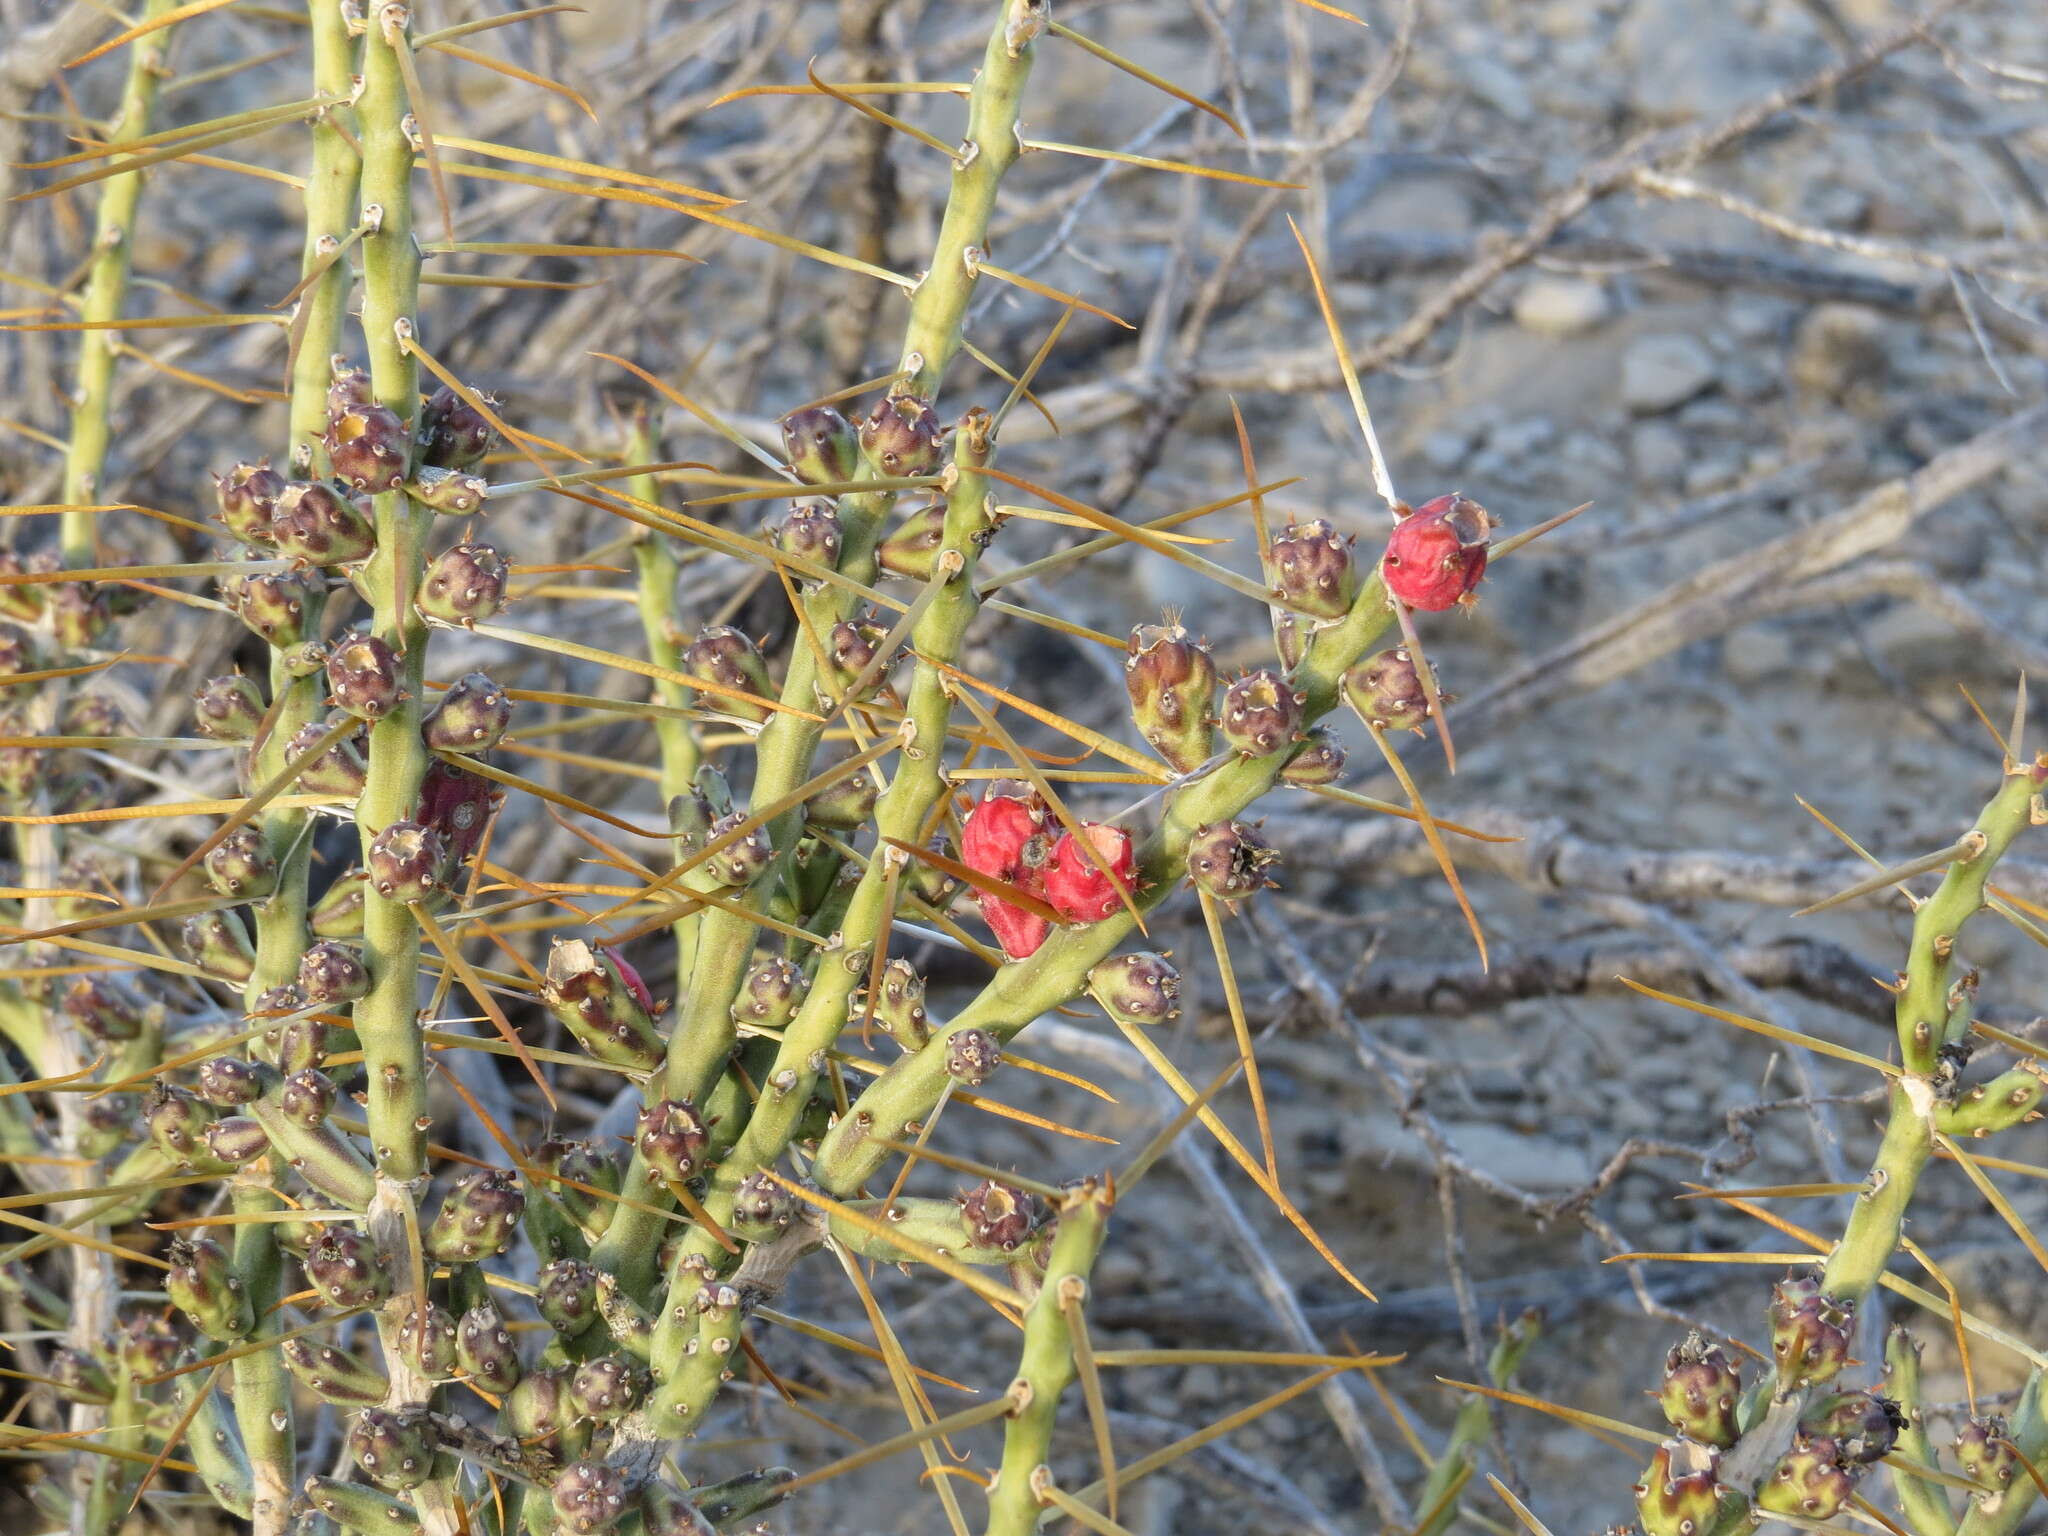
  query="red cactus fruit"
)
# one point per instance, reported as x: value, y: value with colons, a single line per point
x: 1437, y: 553
x: 1078, y: 890
x: 1004, y: 838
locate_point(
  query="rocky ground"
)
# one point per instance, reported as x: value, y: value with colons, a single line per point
x: 1718, y: 352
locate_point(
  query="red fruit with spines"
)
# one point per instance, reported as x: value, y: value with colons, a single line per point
x: 820, y: 445
x: 228, y: 708
x: 1004, y: 837
x: 1436, y: 554
x: 316, y: 525
x: 1079, y: 890
x: 364, y: 676
x: 453, y: 433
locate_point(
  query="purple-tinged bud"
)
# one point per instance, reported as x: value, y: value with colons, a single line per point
x: 725, y: 656
x: 453, y: 433
x: 176, y: 1122
x: 913, y: 549
x: 607, y: 1388
x: 478, y: 1218
x: 332, y: 973
x: 1309, y: 566
x: 810, y: 532
x: 23, y: 601
x: 364, y: 676
x: 146, y: 1343
x: 1985, y: 1452
x: 1261, y: 714
x: 972, y: 1056
x: 22, y: 771
x: 1700, y: 1391
x: 79, y: 613
x: 485, y: 1351
x: 340, y: 770
x: 998, y: 1216
x: 449, y: 491
x: 771, y: 993
x: 1810, y: 1332
x: 278, y: 1001
x: 228, y: 708
x: 1863, y: 1426
x: 344, y: 1266
x: 103, y: 1009
x: 426, y: 1339
x: 236, y: 1139
x: 105, y: 1124
x: 94, y: 714
x: 307, y: 1098
x: 228, y: 1082
x: 203, y: 1285
x: 465, y: 584
x: 671, y: 1137
x: 1320, y: 760
x: 666, y: 1510
x: 574, y: 1163
x: 1171, y: 680
x: 611, y: 1016
x: 248, y: 499
x: 846, y: 806
x: 350, y: 389
x: 742, y: 862
x: 762, y: 1209
x: 567, y: 1296
x: 338, y: 914
x: 318, y: 525
x: 1808, y: 1480
x: 902, y: 436
x: 537, y: 1408
x: 1140, y: 988
x: 368, y: 447
x: 241, y: 865
x: 301, y: 1046
x: 899, y: 1010
x: 274, y: 605
x: 17, y: 652
x: 849, y: 650
x: 471, y: 717
x: 1387, y: 691
x: 1228, y: 860
x: 393, y: 1449
x: 405, y: 862
x: 820, y: 445
x: 79, y: 1377
x: 589, y: 1497
x: 1679, y: 1494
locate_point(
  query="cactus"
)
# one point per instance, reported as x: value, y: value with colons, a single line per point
x: 302, y: 1223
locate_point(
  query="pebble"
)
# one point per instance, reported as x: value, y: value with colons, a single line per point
x: 1838, y: 348
x: 1552, y: 305
x: 1662, y: 371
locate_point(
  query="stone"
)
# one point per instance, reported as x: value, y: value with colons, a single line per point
x: 1838, y: 349
x: 1662, y: 371
x: 1554, y: 305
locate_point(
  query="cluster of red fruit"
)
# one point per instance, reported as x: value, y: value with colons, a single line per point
x: 1006, y: 837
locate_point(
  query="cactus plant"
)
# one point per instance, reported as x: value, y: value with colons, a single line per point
x: 307, y: 1222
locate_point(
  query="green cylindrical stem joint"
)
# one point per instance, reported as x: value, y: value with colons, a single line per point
x: 1047, y: 1366
x: 386, y: 1019
x: 1925, y: 1504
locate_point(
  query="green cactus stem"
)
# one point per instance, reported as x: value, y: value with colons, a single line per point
x: 1058, y: 972
x: 386, y: 1019
x: 1046, y: 1368
x: 902, y: 817
x: 704, y: 1031
x: 1925, y: 1504
x: 1922, y: 1010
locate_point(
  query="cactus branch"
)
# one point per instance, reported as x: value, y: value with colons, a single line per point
x: 1047, y: 1365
